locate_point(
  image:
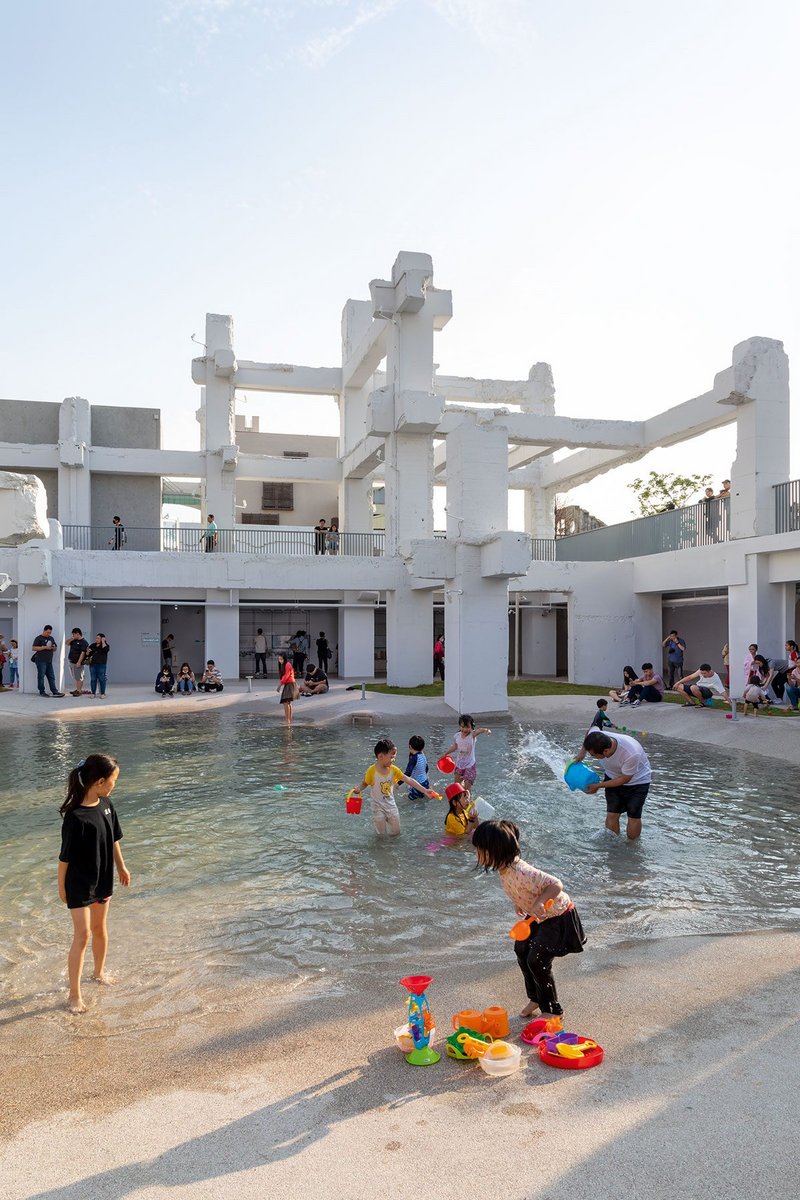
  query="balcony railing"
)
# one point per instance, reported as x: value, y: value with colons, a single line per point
x: 787, y: 506
x: 702, y: 524
x: 255, y: 539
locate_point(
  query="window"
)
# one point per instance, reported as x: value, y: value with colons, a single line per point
x: 277, y: 495
x: 252, y: 518
x: 295, y: 454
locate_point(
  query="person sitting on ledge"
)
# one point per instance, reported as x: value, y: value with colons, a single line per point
x: 650, y: 687
x: 700, y: 687
x: 211, y: 680
x: 186, y: 680
x: 315, y: 682
x: 165, y: 681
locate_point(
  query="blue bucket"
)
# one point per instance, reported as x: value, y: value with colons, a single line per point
x: 577, y: 777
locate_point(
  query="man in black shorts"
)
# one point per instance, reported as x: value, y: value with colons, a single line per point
x: 627, y: 777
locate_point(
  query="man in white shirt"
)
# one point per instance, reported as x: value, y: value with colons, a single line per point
x: 627, y: 778
x: 700, y: 688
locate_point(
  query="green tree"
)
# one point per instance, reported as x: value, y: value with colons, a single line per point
x: 658, y: 492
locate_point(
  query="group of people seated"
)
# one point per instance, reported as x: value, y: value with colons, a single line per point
x: 186, y: 682
x: 767, y: 682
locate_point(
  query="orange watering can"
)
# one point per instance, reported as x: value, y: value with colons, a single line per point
x: 522, y: 930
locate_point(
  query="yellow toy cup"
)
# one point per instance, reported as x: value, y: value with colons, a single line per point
x: 471, y: 1019
x: 495, y: 1022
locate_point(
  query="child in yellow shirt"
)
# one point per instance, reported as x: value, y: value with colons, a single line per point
x: 381, y: 779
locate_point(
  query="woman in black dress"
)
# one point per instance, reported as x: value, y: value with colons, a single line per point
x: 90, y: 837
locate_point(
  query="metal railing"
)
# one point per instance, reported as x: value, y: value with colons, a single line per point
x: 787, y: 506
x: 702, y: 524
x: 254, y: 539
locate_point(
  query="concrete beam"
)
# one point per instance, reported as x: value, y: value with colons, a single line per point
x: 267, y: 467
x: 26, y: 459
x: 285, y: 377
x: 109, y: 460
x: 365, y: 458
x: 366, y: 356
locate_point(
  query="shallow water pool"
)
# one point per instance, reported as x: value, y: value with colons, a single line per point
x: 235, y: 880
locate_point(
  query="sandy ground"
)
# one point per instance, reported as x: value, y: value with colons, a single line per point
x: 306, y: 1095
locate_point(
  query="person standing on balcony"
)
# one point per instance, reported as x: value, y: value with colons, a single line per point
x: 260, y: 652
x: 320, y: 533
x: 711, y: 515
x: 332, y: 540
x: 120, y: 536
x: 209, y: 534
x: 676, y: 649
x: 725, y: 491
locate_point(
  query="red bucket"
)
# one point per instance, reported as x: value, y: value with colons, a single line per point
x: 446, y: 765
x: 352, y: 803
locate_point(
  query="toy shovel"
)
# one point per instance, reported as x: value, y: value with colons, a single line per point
x: 522, y: 930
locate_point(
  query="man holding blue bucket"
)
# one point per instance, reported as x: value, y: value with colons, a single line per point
x: 627, y: 776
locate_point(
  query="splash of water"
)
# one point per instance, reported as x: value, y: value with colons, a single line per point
x: 536, y: 744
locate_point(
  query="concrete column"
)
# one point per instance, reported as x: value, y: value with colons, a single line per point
x: 222, y: 632
x: 538, y: 637
x: 758, y: 611
x: 356, y: 641
x: 602, y: 635
x: 761, y: 389
x: 39, y: 605
x: 74, y: 476
x: 355, y: 505
x: 476, y: 607
x: 409, y: 637
x: 649, y: 632
x: 218, y: 422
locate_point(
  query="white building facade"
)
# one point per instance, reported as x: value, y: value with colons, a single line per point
x: 581, y: 606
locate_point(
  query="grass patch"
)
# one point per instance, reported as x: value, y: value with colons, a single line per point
x: 549, y: 687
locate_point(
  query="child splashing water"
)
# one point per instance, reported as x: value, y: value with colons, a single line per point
x: 557, y: 930
x: 90, y: 837
x: 464, y: 749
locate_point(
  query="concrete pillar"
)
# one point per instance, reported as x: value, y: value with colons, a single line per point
x: 222, y: 631
x: 409, y: 636
x: 355, y: 505
x: 602, y: 637
x: 538, y: 638
x: 648, y: 628
x: 218, y: 422
x: 758, y: 611
x: 74, y: 476
x: 476, y: 607
x: 356, y: 640
x: 39, y: 605
x: 761, y: 391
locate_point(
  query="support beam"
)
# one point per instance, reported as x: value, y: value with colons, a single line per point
x: 286, y: 377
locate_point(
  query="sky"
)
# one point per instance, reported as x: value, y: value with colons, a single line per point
x: 610, y: 187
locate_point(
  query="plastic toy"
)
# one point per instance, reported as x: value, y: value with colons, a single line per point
x: 470, y: 1018
x: 454, y: 789
x: 570, y: 1051
x: 541, y: 1028
x: 578, y: 777
x: 457, y: 1043
x: 495, y: 1021
x: 500, y: 1059
x: 352, y: 802
x: 522, y: 930
x: 420, y: 1021
x: 446, y: 765
x: 402, y: 1035
x: 483, y: 808
x: 279, y: 787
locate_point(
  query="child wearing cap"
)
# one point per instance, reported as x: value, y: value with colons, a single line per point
x: 461, y: 815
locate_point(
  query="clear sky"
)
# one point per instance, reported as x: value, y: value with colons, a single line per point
x: 610, y: 186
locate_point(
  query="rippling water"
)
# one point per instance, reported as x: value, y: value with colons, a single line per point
x: 245, y: 866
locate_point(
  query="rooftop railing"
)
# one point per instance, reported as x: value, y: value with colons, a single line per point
x: 257, y: 539
x: 702, y: 524
x: 787, y: 506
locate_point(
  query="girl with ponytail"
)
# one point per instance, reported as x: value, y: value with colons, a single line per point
x: 90, y: 837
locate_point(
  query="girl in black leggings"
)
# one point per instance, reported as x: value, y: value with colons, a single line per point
x: 557, y: 929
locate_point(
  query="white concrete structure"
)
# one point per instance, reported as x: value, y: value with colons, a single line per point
x: 403, y: 424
